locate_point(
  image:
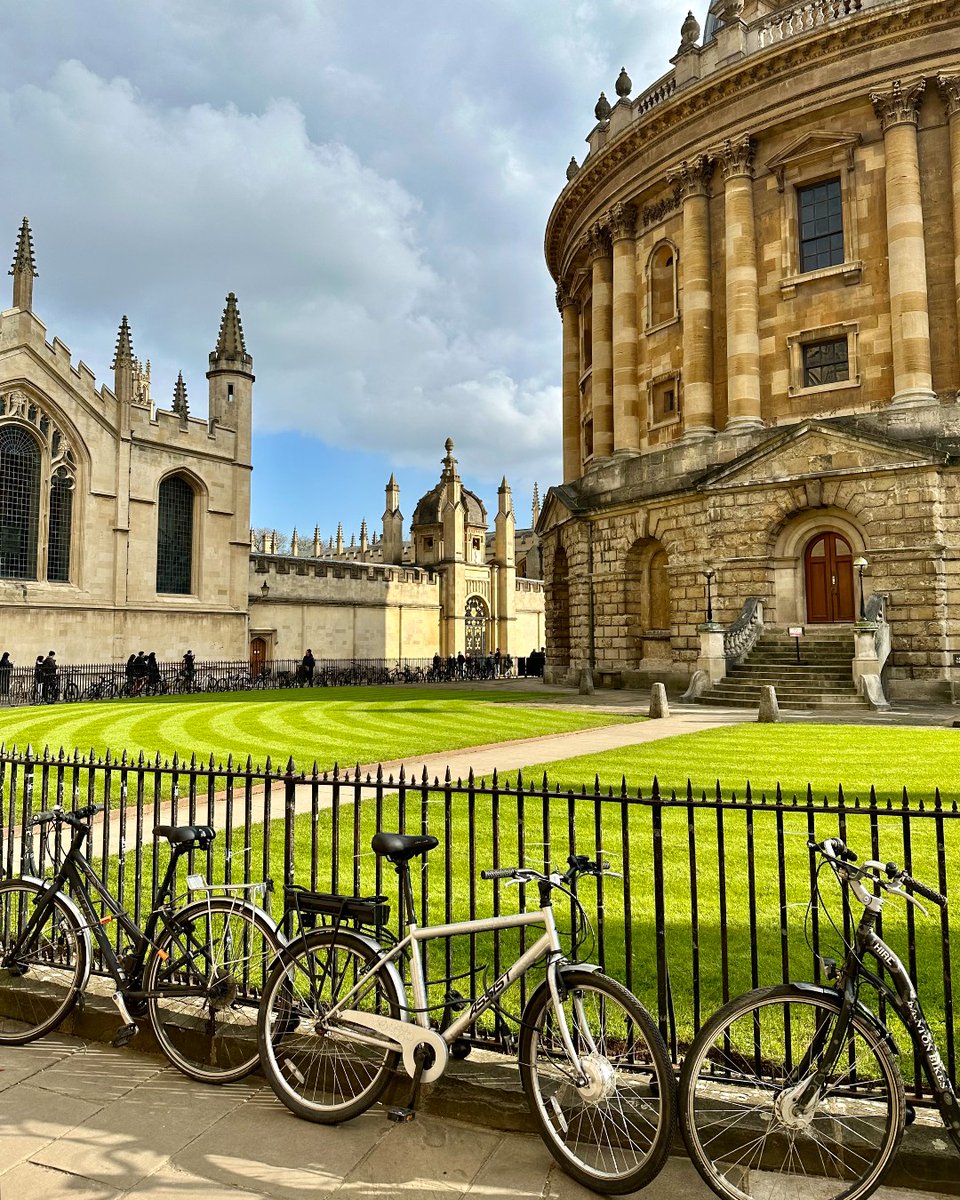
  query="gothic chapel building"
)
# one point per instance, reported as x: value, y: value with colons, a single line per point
x: 122, y: 526
x: 758, y: 274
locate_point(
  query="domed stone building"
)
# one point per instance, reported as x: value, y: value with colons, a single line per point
x: 758, y: 273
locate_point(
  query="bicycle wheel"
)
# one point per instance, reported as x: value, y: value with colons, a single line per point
x: 613, y: 1133
x: 324, y: 1072
x: 204, y: 983
x: 40, y: 981
x: 739, y: 1103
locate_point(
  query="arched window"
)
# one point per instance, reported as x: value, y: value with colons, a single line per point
x: 58, y: 534
x: 662, y: 285
x: 20, y: 462
x: 175, y: 504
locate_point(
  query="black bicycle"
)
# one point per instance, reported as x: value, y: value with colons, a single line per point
x: 793, y: 1090
x: 197, y: 969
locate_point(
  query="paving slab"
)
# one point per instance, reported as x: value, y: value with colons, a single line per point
x: 32, y: 1120
x: 96, y: 1071
x: 30, y: 1182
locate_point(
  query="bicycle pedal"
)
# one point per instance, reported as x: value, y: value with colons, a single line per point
x: 125, y: 1034
x: 401, y: 1115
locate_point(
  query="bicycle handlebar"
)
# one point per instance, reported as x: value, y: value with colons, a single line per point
x: 577, y: 864
x: 499, y: 873
x: 79, y: 818
x: 842, y: 859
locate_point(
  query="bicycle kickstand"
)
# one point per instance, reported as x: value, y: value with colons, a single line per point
x: 423, y: 1056
x: 129, y: 1029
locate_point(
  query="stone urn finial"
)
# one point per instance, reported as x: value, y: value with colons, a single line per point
x: 689, y: 32
x: 624, y: 84
x: 602, y: 110
x: 572, y: 168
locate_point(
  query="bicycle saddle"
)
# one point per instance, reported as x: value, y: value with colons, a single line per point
x: 184, y: 835
x: 401, y: 847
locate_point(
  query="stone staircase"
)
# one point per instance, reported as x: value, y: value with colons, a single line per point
x: 821, y: 679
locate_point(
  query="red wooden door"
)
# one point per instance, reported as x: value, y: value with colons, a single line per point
x: 828, y: 574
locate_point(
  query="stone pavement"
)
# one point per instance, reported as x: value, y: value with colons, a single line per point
x: 82, y: 1121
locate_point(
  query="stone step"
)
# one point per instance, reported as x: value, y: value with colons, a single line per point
x: 786, y: 703
x: 793, y: 693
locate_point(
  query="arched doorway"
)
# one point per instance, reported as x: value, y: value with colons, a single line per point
x: 647, y: 601
x: 828, y: 579
x: 258, y: 656
x: 475, y: 626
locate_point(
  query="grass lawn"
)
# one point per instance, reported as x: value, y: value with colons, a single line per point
x: 326, y: 726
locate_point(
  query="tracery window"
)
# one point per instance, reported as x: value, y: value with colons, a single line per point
x: 175, y: 505
x: 475, y: 626
x: 37, y: 481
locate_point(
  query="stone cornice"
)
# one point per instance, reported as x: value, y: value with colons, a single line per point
x: 784, y: 61
x: 736, y: 157
x: 692, y: 177
x: 949, y: 86
x: 899, y: 106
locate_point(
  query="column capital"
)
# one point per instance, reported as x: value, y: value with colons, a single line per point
x: 565, y: 296
x: 693, y: 175
x: 949, y: 86
x: 596, y: 242
x: 621, y: 221
x: 899, y: 106
x: 736, y: 157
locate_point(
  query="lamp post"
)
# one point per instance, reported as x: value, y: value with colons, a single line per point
x: 709, y: 576
x: 861, y: 563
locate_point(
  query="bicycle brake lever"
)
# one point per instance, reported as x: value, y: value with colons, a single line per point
x: 906, y: 896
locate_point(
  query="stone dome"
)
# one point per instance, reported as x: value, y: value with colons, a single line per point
x: 429, y: 510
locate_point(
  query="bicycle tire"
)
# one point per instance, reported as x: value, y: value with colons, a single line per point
x: 204, y: 981
x: 322, y: 1078
x: 734, y: 1100
x: 41, y: 988
x: 614, y: 1134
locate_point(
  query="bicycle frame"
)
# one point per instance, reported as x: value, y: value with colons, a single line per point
x: 903, y: 998
x: 410, y: 1034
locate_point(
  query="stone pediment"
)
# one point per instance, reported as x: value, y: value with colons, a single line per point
x: 559, y: 505
x: 816, y: 451
x: 814, y: 143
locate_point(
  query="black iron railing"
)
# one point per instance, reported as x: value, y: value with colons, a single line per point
x: 114, y: 681
x: 714, y: 896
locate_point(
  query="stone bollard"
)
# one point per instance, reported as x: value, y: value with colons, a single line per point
x: 658, y: 702
x: 586, y: 681
x: 769, y: 708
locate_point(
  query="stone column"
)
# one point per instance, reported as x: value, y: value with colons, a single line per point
x: 570, y: 314
x: 743, y: 297
x: 622, y: 223
x: 909, y: 317
x: 693, y: 179
x: 950, y: 90
x: 598, y: 247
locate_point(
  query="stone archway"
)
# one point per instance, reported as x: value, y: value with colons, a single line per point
x: 801, y: 573
x: 647, y: 601
x: 476, y: 618
x: 828, y: 579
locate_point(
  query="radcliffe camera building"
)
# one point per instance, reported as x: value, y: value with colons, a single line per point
x: 758, y: 273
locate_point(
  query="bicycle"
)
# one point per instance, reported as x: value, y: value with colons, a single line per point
x: 794, y: 1089
x: 196, y: 970
x: 336, y: 1020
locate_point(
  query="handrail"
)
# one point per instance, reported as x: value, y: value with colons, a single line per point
x: 740, y: 637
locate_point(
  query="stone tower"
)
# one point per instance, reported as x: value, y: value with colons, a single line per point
x: 24, y: 269
x: 505, y: 573
x: 231, y: 380
x: 392, y: 542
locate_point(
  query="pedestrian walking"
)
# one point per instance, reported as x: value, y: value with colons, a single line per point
x: 140, y: 671
x: 309, y: 665
x: 153, y: 673
x: 38, y: 679
x: 6, y: 666
x: 48, y: 678
x: 188, y: 671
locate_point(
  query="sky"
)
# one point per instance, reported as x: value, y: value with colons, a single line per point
x: 371, y: 177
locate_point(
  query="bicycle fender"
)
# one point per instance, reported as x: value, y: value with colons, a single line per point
x: 389, y: 969
x: 832, y: 996
x: 82, y: 927
x: 200, y: 906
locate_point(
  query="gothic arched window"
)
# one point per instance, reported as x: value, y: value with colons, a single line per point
x: 175, y: 504
x: 37, y: 482
x: 20, y: 462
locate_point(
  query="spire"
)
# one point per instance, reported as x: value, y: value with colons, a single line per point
x: 504, y: 497
x: 180, y: 406
x: 339, y: 547
x: 295, y: 543
x: 449, y: 463
x: 317, y: 544
x: 230, y: 343
x: 24, y: 269
x: 536, y: 504
x: 123, y: 365
x: 364, y: 543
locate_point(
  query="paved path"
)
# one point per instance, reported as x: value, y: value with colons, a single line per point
x: 82, y: 1121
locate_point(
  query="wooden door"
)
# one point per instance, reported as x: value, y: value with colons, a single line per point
x: 258, y: 656
x: 828, y: 574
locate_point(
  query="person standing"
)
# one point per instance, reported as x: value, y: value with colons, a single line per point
x: 309, y: 664
x: 6, y: 666
x: 153, y: 673
x: 38, y: 679
x: 48, y: 678
x: 189, y: 669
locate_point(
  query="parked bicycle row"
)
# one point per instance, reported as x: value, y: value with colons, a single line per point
x: 48, y: 682
x: 791, y: 1089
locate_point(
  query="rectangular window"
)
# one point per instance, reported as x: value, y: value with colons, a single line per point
x: 821, y: 225
x: 825, y: 363
x: 664, y: 402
